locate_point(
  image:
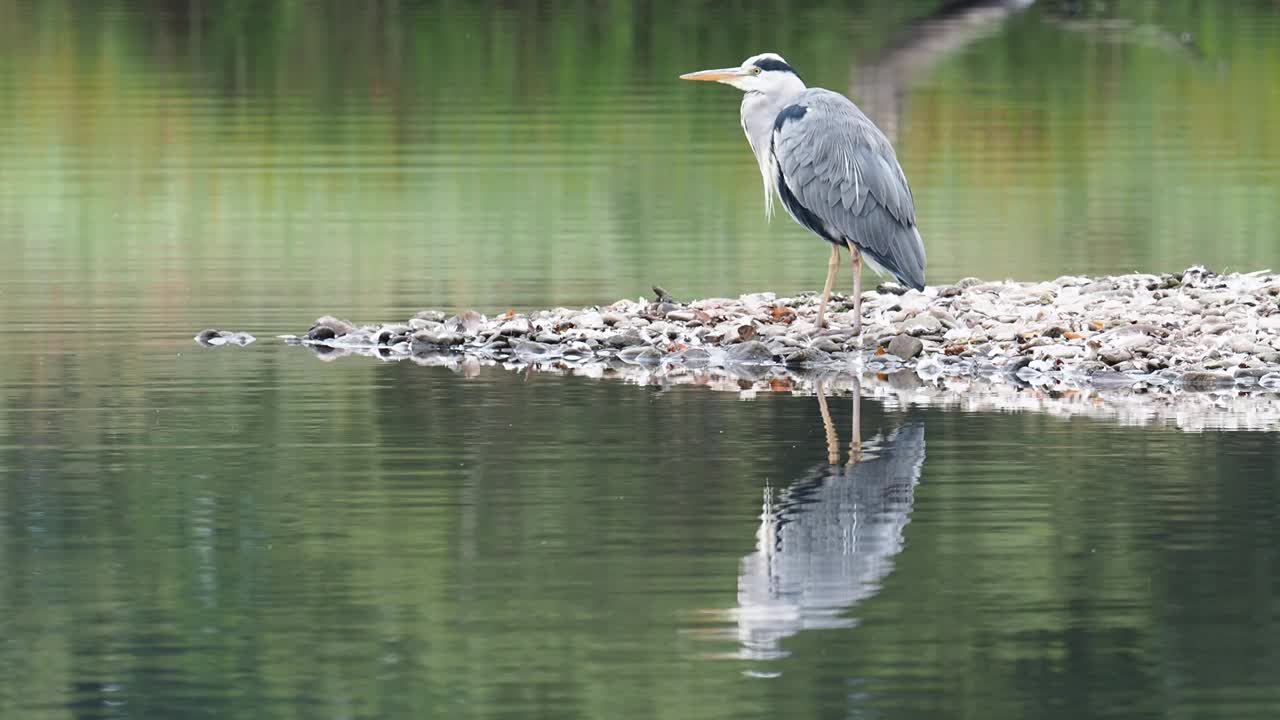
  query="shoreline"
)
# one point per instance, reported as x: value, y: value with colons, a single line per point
x: 1142, y: 336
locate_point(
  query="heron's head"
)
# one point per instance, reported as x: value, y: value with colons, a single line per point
x: 765, y: 73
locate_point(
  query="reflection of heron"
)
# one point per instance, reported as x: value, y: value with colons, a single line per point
x: 835, y: 171
x: 827, y: 541
x: 880, y: 83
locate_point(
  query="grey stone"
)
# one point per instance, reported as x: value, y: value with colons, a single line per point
x: 1241, y: 344
x: 438, y: 337
x: 808, y: 356
x: 329, y: 327
x: 905, y: 347
x: 752, y: 352
x: 1200, y: 380
x: 640, y: 355
x: 622, y: 340
x: 925, y: 324
x: 528, y: 349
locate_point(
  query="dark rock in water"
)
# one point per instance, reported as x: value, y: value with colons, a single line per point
x: 693, y: 357
x: 752, y: 352
x: 622, y: 340
x: 392, y: 334
x: 530, y: 350
x: 905, y: 347
x: 329, y: 327
x: 904, y: 379
x: 662, y: 296
x: 1018, y: 364
x: 215, y: 338
x: 808, y: 356
x: 1254, y: 373
x: 1115, y: 357
x: 891, y: 288
x: 1200, y: 380
x: 639, y: 355
x: 1111, y: 378
x: 827, y: 344
x: 438, y: 337
x: 206, y: 336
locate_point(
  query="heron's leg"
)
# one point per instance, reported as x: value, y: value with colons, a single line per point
x: 832, y: 267
x: 855, y: 437
x: 833, y: 443
x: 855, y: 261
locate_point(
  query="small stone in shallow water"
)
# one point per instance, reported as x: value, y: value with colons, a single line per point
x: 905, y: 347
x: 752, y: 352
x: 206, y: 337
x: 1114, y: 356
x: 640, y: 355
x: 1200, y: 380
x: 808, y: 356
x: 392, y: 334
x: 529, y: 350
x: 691, y: 357
x: 925, y: 324
x: 904, y: 379
x: 214, y: 338
x: 623, y: 340
x: 437, y: 337
x: 329, y: 327
x: 1111, y: 378
x: 826, y: 344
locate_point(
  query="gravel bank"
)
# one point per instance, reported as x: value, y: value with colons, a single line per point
x: 1173, y: 340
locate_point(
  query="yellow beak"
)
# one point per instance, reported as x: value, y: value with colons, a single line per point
x: 719, y: 75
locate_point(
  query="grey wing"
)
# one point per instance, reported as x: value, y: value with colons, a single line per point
x: 843, y: 175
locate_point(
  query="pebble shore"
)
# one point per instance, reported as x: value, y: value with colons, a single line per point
x: 1181, y: 343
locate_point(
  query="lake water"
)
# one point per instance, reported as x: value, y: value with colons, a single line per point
x: 250, y: 532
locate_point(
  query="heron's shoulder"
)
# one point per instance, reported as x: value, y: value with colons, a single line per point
x: 821, y: 104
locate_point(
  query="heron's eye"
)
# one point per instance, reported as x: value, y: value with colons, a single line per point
x: 755, y: 70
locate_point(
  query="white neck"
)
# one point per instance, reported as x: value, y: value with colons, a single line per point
x: 759, y: 110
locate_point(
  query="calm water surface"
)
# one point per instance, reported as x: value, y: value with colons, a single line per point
x: 250, y: 532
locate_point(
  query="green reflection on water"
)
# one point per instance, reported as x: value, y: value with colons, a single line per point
x: 252, y: 533
x: 404, y: 155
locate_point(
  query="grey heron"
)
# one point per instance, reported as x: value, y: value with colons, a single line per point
x: 835, y: 172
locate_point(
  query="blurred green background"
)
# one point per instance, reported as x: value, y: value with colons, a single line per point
x: 376, y: 157
x: 248, y: 532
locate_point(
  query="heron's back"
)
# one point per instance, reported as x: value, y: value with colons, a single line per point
x: 837, y: 174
